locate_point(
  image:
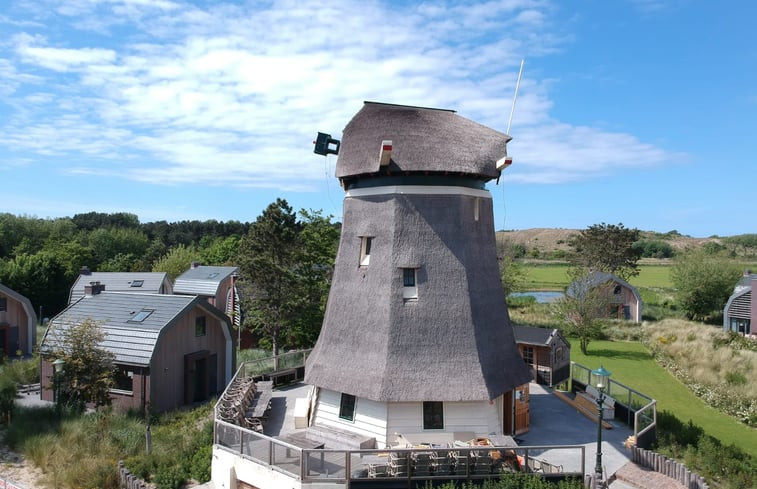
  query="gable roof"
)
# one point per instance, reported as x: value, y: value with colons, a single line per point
x: 151, y: 283
x: 202, y: 280
x: 594, y: 279
x: 31, y: 316
x: 423, y: 140
x: 132, y: 341
x: 532, y: 335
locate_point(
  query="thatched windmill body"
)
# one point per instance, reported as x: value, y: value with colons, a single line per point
x: 416, y: 337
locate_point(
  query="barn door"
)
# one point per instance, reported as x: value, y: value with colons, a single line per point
x: 522, y: 409
x: 508, y: 412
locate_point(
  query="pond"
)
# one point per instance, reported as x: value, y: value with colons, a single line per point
x: 541, y: 296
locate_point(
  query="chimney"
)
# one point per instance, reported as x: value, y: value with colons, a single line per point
x: 195, y: 264
x: 93, y: 288
x: 85, y: 270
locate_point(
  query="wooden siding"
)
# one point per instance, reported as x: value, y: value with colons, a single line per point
x: 472, y: 417
x: 15, y: 316
x: 167, y: 382
x: 370, y: 416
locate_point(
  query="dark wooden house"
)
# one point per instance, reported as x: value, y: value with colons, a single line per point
x: 546, y: 352
x: 170, y: 350
x: 18, y: 323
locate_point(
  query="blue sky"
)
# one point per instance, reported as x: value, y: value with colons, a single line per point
x: 635, y: 111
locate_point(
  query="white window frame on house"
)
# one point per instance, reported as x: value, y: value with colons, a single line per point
x: 433, y: 415
x: 410, y: 284
x: 365, y: 250
x: 347, y: 407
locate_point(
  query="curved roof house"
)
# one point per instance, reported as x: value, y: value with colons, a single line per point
x: 625, y: 301
x: 134, y: 282
x: 18, y: 323
x: 740, y: 312
x: 416, y: 317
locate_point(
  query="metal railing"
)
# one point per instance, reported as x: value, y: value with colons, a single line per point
x: 639, y: 411
x: 344, y: 466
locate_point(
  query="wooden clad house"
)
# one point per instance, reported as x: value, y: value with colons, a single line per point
x: 624, y: 301
x: 170, y: 350
x: 416, y: 337
x: 136, y: 282
x: 215, y: 284
x: 18, y: 323
x: 546, y: 352
x: 740, y: 313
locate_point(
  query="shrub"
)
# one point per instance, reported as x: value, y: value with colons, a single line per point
x: 169, y: 477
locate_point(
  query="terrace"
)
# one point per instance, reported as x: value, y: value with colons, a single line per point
x: 277, y: 449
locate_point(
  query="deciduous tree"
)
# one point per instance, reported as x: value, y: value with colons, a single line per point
x: 703, y: 283
x: 89, y: 370
x: 607, y: 248
x: 582, y: 308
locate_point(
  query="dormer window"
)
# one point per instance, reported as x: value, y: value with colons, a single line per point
x: 365, y: 250
x: 409, y: 281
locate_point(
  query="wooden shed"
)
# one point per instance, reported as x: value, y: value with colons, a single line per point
x: 546, y: 352
x: 18, y: 323
x: 170, y: 350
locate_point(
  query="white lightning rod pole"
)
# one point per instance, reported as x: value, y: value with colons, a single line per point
x: 515, y: 97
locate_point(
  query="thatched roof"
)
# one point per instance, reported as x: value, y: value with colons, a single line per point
x: 455, y: 342
x: 423, y: 140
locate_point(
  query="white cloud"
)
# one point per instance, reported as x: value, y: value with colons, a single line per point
x: 233, y: 95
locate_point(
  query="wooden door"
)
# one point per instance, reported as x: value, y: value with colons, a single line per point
x: 508, y: 427
x: 522, y: 409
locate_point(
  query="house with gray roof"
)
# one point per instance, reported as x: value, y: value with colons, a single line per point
x: 18, y: 323
x: 740, y: 312
x: 136, y: 282
x: 170, y: 350
x: 216, y: 284
x: 623, y: 301
x: 546, y: 352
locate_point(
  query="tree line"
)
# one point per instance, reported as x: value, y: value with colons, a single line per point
x: 285, y: 260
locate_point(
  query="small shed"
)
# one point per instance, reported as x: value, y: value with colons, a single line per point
x: 18, y: 323
x: 170, y: 350
x: 546, y: 352
x: 740, y: 312
x: 624, y: 302
x: 135, y: 282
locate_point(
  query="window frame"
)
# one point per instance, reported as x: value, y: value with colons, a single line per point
x: 201, y: 326
x: 121, y: 373
x: 3, y: 304
x: 431, y: 410
x: 365, y: 250
x: 409, y: 284
x: 347, y: 407
x: 528, y: 353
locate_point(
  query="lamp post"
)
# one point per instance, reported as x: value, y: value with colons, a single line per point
x: 57, y: 373
x: 603, y: 377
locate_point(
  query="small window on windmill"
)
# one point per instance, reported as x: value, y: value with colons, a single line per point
x: 365, y: 250
x: 476, y: 206
x: 409, y: 284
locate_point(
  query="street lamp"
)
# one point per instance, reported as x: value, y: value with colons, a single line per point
x: 57, y: 373
x: 603, y: 377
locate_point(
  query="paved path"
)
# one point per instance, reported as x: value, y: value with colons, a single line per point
x: 633, y: 476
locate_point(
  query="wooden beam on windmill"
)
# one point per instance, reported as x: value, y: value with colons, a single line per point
x: 385, y: 155
x: 325, y: 145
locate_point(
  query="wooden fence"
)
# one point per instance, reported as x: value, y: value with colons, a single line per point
x: 129, y: 480
x: 663, y: 465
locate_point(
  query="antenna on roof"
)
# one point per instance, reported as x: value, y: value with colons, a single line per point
x: 515, y: 97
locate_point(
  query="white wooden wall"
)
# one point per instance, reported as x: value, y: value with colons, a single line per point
x: 370, y: 416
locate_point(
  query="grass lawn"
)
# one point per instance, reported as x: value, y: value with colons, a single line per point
x: 632, y: 365
x: 555, y: 277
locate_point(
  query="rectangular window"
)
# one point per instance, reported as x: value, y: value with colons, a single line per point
x: 124, y: 380
x: 433, y: 415
x: 365, y: 251
x: 141, y: 316
x: 528, y: 354
x: 409, y: 287
x: 3, y: 304
x: 200, y: 328
x: 137, y: 283
x: 347, y: 407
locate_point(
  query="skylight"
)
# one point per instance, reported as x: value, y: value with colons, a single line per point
x: 137, y: 283
x: 141, y: 316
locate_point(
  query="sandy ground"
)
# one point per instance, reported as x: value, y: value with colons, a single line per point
x: 14, y: 468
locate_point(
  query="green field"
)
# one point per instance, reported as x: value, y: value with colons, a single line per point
x: 632, y: 365
x: 555, y: 277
